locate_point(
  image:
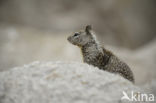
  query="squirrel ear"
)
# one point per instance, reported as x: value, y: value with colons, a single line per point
x: 88, y: 29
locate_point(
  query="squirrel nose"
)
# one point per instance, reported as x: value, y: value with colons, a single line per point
x: 68, y: 38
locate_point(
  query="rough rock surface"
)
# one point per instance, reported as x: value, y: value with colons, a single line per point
x: 62, y: 82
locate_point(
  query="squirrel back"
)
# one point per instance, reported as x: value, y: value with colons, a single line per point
x: 115, y: 65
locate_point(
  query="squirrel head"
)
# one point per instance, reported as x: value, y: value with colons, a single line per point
x: 83, y: 37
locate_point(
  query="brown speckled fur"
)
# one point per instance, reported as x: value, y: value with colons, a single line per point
x: 98, y: 56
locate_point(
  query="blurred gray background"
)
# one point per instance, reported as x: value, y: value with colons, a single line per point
x: 33, y: 30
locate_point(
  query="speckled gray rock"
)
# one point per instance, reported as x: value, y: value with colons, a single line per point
x: 62, y: 82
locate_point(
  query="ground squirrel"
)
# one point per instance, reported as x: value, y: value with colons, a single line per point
x: 98, y: 56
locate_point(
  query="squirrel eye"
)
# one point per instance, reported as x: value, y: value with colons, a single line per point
x: 76, y: 34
